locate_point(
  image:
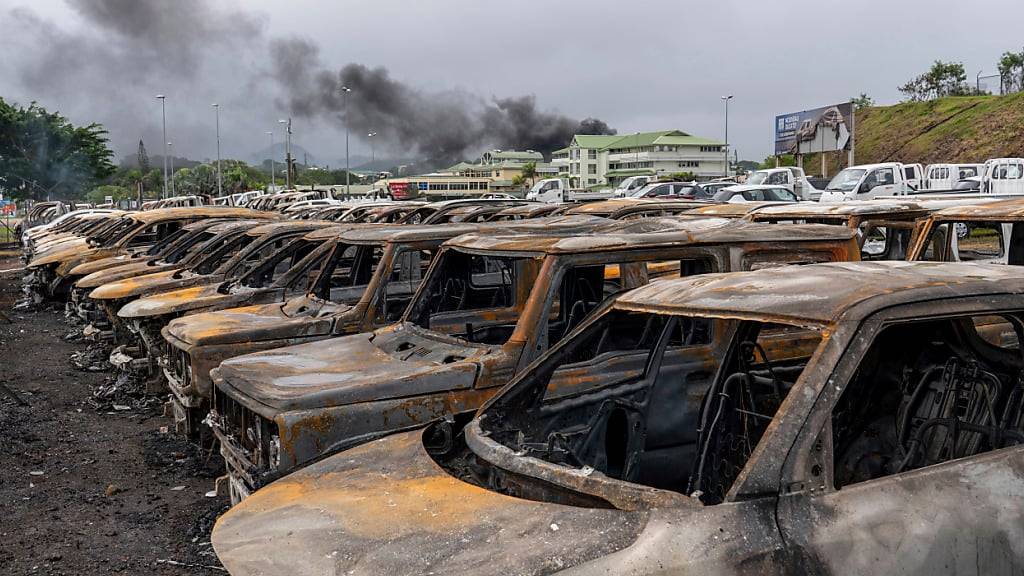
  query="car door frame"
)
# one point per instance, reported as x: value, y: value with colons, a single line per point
x: 810, y: 506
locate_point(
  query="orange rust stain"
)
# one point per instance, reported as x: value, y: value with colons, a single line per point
x: 365, y: 504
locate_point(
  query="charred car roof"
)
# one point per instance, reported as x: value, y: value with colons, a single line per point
x: 161, y: 214
x: 826, y: 210
x: 820, y: 294
x: 650, y: 232
x: 1010, y: 209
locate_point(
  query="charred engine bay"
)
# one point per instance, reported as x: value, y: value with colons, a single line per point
x: 89, y: 484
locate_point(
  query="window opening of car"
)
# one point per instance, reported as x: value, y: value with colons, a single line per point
x: 407, y: 271
x: 475, y: 297
x: 928, y: 392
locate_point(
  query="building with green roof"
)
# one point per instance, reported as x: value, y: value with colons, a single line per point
x: 592, y: 160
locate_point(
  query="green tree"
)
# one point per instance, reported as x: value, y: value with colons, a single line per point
x: 862, y: 101
x: 530, y: 172
x: 98, y: 195
x: 1011, y: 72
x: 942, y: 79
x: 43, y: 155
x: 783, y: 160
x: 518, y: 180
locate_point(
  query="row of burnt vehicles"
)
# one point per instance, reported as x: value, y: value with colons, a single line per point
x: 628, y: 387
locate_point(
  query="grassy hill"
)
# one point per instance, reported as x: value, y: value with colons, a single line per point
x: 960, y: 129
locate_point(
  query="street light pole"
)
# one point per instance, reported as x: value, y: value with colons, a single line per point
x: 345, y: 90
x: 373, y: 157
x: 170, y: 150
x: 273, y: 181
x: 163, y: 114
x: 726, y: 99
x: 287, y: 152
x: 220, y: 191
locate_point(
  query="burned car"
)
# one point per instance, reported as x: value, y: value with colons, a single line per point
x: 992, y: 232
x: 885, y: 228
x: 366, y: 283
x: 280, y: 275
x: 228, y: 256
x: 489, y: 306
x: 745, y: 423
x: 132, y: 233
x: 179, y: 250
x: 369, y: 278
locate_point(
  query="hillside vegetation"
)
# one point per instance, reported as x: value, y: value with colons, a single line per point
x: 952, y: 129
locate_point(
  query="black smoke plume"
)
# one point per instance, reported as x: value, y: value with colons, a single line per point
x: 441, y: 126
x: 110, y: 69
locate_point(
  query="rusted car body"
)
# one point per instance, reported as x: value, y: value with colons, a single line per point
x: 273, y: 277
x: 489, y: 306
x: 227, y: 257
x: 885, y: 229
x: 528, y: 211
x: 77, y: 225
x: 134, y: 233
x: 439, y: 212
x: 991, y: 232
x: 87, y: 227
x: 205, y: 238
x: 628, y: 208
x: 675, y: 433
x: 366, y: 283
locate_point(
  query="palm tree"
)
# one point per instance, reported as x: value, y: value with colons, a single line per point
x: 530, y: 171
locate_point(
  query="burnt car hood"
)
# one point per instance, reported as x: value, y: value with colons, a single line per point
x: 150, y: 284
x: 120, y: 271
x: 181, y: 300
x: 66, y: 252
x: 387, y: 508
x: 104, y: 264
x: 338, y: 372
x: 247, y: 324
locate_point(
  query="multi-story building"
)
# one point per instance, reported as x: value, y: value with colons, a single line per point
x: 593, y: 161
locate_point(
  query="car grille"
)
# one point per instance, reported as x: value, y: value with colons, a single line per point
x: 180, y: 365
x: 249, y: 433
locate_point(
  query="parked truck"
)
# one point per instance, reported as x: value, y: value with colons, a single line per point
x: 867, y: 181
x: 791, y: 177
x: 556, y: 190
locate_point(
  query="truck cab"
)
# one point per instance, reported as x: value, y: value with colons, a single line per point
x: 549, y: 190
x: 1003, y: 176
x: 792, y: 177
x: 867, y: 181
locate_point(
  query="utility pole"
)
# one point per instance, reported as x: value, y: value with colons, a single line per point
x: 220, y: 191
x: 170, y: 150
x: 273, y: 181
x: 726, y: 100
x: 163, y: 113
x: 287, y: 152
x: 345, y: 90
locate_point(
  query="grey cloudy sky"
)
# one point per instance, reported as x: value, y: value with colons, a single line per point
x: 641, y: 65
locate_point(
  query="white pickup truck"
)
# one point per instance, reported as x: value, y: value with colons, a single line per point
x: 867, y: 181
x: 557, y: 190
x: 791, y: 177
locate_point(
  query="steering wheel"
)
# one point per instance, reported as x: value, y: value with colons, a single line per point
x: 454, y: 292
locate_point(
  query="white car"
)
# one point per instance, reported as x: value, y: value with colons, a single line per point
x: 755, y: 193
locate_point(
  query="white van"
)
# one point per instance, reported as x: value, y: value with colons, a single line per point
x: 1003, y: 176
x: 867, y: 181
x: 947, y: 176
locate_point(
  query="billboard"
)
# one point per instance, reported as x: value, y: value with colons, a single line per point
x: 825, y: 129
